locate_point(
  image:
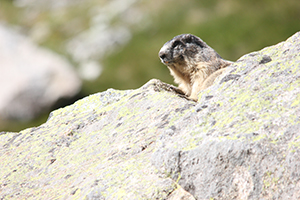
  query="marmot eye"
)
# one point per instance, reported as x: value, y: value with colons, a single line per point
x: 176, y: 43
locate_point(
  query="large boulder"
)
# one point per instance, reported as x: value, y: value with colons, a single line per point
x: 32, y: 79
x: 240, y: 141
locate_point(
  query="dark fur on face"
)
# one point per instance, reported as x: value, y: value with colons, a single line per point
x: 185, y: 49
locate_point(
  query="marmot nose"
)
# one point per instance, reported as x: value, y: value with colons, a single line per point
x: 163, y: 57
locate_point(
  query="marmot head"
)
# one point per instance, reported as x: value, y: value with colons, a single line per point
x: 186, y: 50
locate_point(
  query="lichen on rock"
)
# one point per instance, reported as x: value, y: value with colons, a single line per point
x: 239, y: 141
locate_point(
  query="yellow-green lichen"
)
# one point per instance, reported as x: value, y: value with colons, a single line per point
x: 296, y: 101
x: 192, y: 143
x: 260, y: 137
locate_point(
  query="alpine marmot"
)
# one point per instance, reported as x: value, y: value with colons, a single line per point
x: 193, y: 64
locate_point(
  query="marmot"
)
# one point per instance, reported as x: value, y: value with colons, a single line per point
x: 193, y: 64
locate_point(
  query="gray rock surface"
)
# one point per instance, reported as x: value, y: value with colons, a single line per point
x: 240, y: 141
x: 32, y: 78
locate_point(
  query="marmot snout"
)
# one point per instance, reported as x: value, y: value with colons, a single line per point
x: 193, y: 64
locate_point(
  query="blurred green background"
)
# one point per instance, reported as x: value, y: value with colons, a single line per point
x: 232, y: 27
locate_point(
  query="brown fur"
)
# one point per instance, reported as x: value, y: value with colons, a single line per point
x: 193, y: 64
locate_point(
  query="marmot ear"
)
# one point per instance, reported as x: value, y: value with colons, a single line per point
x: 189, y: 38
x: 199, y: 42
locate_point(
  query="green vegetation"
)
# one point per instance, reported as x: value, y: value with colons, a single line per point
x: 232, y: 27
x: 233, y: 31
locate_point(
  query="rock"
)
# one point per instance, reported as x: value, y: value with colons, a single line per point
x: 240, y: 141
x: 32, y: 78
